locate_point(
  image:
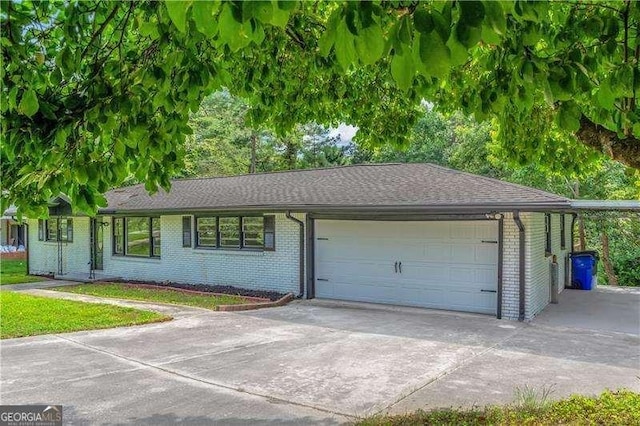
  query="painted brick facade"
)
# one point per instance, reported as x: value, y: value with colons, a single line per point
x: 269, y: 270
x: 278, y: 270
x: 43, y: 255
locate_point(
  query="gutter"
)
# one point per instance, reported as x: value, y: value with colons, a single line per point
x: 555, y: 207
x: 521, y: 265
x: 300, y: 252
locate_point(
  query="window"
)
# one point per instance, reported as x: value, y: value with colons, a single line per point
x: 207, y: 232
x: 118, y: 235
x: 563, y: 243
x: 269, y: 232
x: 137, y: 236
x: 547, y: 230
x: 66, y: 230
x: 155, y: 236
x: 229, y: 231
x: 59, y: 229
x: 237, y: 232
x: 186, y: 231
x: 252, y: 232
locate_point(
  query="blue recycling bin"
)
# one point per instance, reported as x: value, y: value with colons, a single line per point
x: 584, y: 269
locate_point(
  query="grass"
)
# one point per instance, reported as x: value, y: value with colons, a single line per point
x: 175, y: 297
x: 26, y: 315
x: 610, y: 408
x: 14, y: 271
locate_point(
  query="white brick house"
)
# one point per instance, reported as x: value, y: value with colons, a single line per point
x: 406, y: 234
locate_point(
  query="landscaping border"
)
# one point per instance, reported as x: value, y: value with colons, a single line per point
x: 250, y: 306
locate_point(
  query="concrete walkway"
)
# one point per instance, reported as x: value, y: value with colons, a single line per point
x: 310, y: 362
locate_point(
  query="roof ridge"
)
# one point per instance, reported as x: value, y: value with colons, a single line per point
x: 273, y: 172
x: 486, y: 178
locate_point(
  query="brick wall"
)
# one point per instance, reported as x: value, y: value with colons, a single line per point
x: 43, y: 255
x: 270, y: 270
x: 537, y: 265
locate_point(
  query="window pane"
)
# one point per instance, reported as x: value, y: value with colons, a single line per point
x: 138, y: 243
x: 252, y: 231
x: 118, y: 236
x: 186, y: 231
x: 270, y: 232
x: 40, y: 229
x: 155, y: 233
x: 52, y: 230
x: 229, y: 228
x: 206, y: 231
x: 66, y: 230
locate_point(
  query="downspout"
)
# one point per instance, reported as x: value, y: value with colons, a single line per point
x: 521, y: 265
x: 574, y: 217
x: 301, y: 252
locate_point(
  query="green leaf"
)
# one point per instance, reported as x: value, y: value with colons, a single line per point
x: 459, y: 54
x: 471, y: 13
x: 467, y: 35
x: 402, y: 69
x: 344, y: 46
x: 29, y: 103
x: 435, y: 55
x: 328, y: 37
x: 605, y: 95
x: 569, y: 116
x: 202, y: 14
x: 370, y: 44
x: 177, y: 10
x: 422, y: 20
x: 279, y: 17
x: 495, y: 17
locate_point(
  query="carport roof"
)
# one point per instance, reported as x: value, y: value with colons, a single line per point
x: 370, y: 187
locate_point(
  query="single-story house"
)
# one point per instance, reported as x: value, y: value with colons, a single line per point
x: 404, y: 234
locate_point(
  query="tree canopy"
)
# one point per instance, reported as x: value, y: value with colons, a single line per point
x: 96, y: 92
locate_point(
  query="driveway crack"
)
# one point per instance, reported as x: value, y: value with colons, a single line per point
x: 445, y: 373
x: 183, y: 376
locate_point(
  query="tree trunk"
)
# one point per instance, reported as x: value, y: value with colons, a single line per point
x: 625, y: 150
x: 254, y: 142
x: 606, y: 259
x: 582, y: 245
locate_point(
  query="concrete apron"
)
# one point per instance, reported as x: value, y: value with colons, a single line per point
x: 307, y: 362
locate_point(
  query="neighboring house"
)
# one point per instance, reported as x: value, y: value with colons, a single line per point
x: 12, y: 235
x: 404, y: 234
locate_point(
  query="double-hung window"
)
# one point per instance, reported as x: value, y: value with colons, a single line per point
x: 137, y: 236
x: 57, y: 229
x: 236, y: 232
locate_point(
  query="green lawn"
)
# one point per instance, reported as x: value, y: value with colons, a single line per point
x: 175, y: 297
x: 26, y: 315
x: 14, y: 271
x: 610, y: 408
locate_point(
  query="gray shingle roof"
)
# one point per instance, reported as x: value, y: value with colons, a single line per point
x: 371, y: 187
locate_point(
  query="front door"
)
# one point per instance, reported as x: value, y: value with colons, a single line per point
x: 97, y: 244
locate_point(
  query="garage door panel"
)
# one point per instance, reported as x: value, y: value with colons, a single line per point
x: 444, y: 264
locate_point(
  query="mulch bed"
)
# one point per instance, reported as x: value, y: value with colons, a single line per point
x: 224, y: 289
x: 14, y: 255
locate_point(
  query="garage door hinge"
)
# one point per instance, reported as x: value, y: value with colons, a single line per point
x: 488, y: 291
x: 490, y: 241
x: 322, y: 239
x: 321, y: 279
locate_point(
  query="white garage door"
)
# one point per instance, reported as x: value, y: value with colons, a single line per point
x: 435, y: 264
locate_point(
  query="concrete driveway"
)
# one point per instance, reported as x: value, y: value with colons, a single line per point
x: 308, y: 362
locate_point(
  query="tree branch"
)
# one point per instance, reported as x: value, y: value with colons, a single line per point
x: 101, y: 29
x: 625, y: 150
